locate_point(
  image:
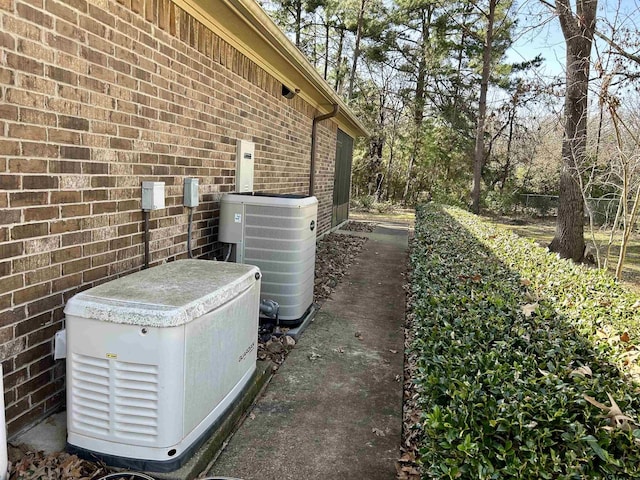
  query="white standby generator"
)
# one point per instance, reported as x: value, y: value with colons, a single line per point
x: 155, y: 358
x: 277, y: 233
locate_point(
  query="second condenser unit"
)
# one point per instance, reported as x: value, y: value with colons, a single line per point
x: 276, y: 233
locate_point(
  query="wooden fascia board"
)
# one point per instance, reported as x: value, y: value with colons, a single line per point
x: 245, y: 26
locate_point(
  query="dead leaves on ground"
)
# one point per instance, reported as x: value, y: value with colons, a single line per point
x: 276, y: 349
x: 360, y: 227
x: 406, y: 468
x: 28, y: 465
x: 335, y: 253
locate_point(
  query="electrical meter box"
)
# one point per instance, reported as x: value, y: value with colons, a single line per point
x: 156, y: 358
x: 244, y: 166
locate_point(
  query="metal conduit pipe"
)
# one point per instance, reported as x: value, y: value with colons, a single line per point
x: 312, y: 173
x: 189, y: 227
x: 146, y: 238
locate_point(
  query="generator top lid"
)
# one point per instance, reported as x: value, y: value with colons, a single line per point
x: 274, y: 200
x: 164, y: 296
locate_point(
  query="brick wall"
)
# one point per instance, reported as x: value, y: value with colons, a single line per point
x: 326, y: 136
x: 97, y: 96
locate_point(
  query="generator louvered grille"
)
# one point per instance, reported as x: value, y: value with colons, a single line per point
x: 91, y: 393
x: 115, y: 397
x: 136, y: 400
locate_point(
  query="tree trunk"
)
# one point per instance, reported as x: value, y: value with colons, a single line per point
x: 298, y: 26
x: 356, y: 49
x: 392, y: 143
x: 338, y: 83
x: 405, y: 194
x: 578, y: 30
x: 376, y: 145
x: 314, y: 51
x: 467, y: 9
x: 418, y: 117
x: 478, y: 155
x: 633, y: 216
x: 512, y: 120
x: 327, y: 32
x: 420, y: 101
x: 507, y: 164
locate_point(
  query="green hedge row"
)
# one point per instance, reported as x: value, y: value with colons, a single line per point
x: 509, y: 341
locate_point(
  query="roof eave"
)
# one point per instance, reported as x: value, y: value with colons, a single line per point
x: 243, y: 24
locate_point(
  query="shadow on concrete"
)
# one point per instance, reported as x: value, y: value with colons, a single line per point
x: 334, y: 409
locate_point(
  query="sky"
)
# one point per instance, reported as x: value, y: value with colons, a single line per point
x: 544, y: 38
x: 547, y: 39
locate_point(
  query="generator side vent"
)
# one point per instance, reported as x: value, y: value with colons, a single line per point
x: 136, y: 401
x: 134, y: 397
x: 91, y: 390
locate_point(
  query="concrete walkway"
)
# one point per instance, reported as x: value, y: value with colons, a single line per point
x: 334, y: 409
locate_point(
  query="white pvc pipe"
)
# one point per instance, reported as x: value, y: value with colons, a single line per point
x: 4, y: 459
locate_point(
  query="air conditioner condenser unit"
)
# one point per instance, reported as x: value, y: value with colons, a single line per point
x: 156, y: 358
x: 277, y: 233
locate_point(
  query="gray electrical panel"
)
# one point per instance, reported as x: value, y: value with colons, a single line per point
x: 191, y: 192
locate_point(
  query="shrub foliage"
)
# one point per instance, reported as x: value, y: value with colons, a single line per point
x: 511, y: 344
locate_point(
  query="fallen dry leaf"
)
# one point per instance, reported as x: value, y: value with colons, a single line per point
x: 28, y: 465
x: 288, y: 342
x: 314, y: 356
x: 583, y: 371
x: 529, y: 309
x: 617, y: 419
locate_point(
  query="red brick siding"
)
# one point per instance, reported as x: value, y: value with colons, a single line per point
x: 95, y: 97
x: 326, y: 136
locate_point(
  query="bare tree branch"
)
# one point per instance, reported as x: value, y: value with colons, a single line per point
x: 618, y: 49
